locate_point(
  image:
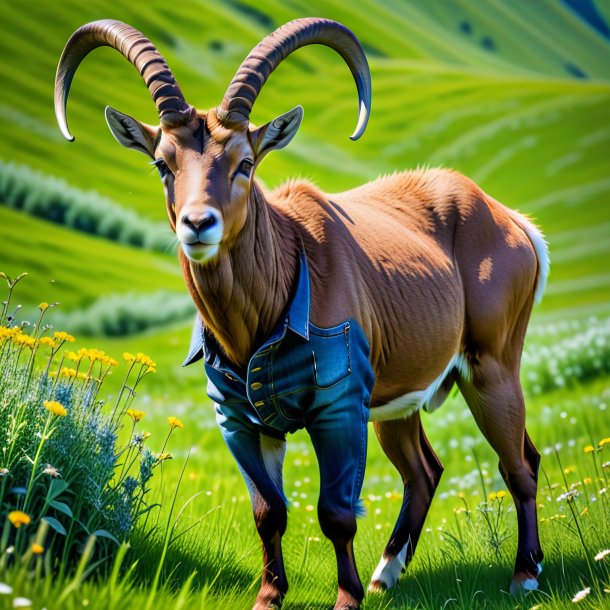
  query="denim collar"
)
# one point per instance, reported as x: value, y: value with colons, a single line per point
x: 296, y: 317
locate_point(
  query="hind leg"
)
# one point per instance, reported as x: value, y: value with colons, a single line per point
x: 494, y: 396
x: 406, y: 445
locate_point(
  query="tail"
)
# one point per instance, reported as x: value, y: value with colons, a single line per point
x: 541, y: 247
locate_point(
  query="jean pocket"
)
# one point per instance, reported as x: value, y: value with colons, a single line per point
x: 330, y: 354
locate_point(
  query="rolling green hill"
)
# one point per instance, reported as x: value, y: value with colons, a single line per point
x: 515, y: 98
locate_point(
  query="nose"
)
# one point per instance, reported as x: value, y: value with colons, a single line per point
x: 200, y: 222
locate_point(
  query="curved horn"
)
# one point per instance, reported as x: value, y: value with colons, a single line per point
x: 137, y: 49
x: 269, y: 53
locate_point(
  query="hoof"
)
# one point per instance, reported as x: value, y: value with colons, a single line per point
x: 523, y: 586
x: 377, y: 586
x: 523, y: 583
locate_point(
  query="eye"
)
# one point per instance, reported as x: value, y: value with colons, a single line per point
x: 244, y: 168
x: 162, y: 167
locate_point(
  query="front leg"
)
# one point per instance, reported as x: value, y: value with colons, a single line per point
x: 260, y: 459
x: 339, y: 436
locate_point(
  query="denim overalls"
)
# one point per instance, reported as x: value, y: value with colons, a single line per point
x: 303, y: 376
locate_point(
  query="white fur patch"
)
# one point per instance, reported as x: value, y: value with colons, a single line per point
x: 388, y: 570
x: 273, y: 451
x: 413, y: 401
x: 541, y: 247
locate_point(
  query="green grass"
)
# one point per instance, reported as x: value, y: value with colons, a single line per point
x: 510, y: 114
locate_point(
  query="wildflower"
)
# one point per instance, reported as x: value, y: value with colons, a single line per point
x: 128, y: 357
x: 64, y: 336
x: 569, y: 470
x: 55, y: 407
x: 581, y: 595
x: 25, y: 340
x: 22, y: 602
x: 604, y: 441
x: 43, y: 306
x: 569, y: 496
x: 589, y: 449
x: 5, y: 589
x: 18, y: 518
x: 587, y: 480
x: 161, y: 457
x: 501, y: 494
x: 492, y: 496
x: 82, y: 376
x: 144, y: 359
x: 37, y: 549
x: 602, y: 555
x: 174, y: 422
x: 68, y: 372
x: 72, y: 356
x: 51, y: 471
x: 47, y: 341
x: 135, y: 415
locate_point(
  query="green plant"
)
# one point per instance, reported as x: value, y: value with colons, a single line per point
x: 63, y: 470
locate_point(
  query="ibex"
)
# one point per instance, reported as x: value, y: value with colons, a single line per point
x: 326, y: 312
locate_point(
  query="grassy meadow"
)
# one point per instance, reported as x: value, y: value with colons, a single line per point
x: 514, y: 95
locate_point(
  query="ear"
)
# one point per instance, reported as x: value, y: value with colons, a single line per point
x: 131, y: 133
x: 277, y: 134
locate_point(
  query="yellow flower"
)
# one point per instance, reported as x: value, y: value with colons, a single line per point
x: 174, y: 422
x: 500, y: 494
x: 589, y: 449
x: 25, y: 340
x: 161, y: 457
x: 18, y: 518
x: 67, y: 372
x: 569, y: 470
x: 73, y: 356
x: 47, y: 341
x: 82, y: 376
x: 128, y: 357
x: 55, y: 407
x: 135, y: 414
x: 587, y: 480
x: 492, y: 496
x: 43, y: 306
x: 604, y: 441
x: 37, y: 549
x: 64, y: 336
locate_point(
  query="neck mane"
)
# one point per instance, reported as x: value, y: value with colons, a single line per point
x: 244, y: 291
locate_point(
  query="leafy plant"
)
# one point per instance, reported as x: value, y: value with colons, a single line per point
x: 63, y: 471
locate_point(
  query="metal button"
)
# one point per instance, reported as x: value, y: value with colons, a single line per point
x: 259, y: 403
x: 256, y: 369
x: 230, y: 377
x: 257, y: 385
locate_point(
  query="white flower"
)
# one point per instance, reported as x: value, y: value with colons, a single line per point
x: 22, y: 602
x: 602, y: 554
x: 581, y: 595
x: 5, y: 589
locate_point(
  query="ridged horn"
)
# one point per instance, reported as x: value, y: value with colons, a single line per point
x: 272, y: 50
x: 137, y: 49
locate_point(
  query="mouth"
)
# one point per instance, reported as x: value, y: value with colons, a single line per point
x: 199, y: 252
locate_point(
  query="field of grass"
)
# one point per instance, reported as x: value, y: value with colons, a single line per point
x: 514, y: 96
